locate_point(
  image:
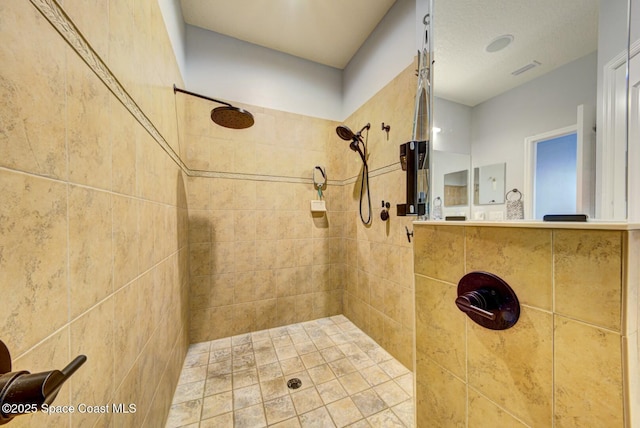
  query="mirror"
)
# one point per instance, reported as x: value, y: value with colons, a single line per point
x: 507, y: 71
x: 456, y: 191
x: 451, y: 181
x: 489, y: 184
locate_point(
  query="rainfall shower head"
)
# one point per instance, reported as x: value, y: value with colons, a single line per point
x: 232, y: 117
x: 227, y: 116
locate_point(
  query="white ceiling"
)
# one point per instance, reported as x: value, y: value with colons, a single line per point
x: 552, y: 32
x: 328, y: 32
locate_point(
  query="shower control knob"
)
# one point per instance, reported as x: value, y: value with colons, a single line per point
x: 478, y: 302
x: 488, y: 300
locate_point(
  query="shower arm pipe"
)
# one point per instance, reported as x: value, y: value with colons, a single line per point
x: 176, y: 89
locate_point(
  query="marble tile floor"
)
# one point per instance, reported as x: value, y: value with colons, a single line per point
x: 241, y: 381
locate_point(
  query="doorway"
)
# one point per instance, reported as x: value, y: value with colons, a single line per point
x: 555, y: 176
x: 559, y: 170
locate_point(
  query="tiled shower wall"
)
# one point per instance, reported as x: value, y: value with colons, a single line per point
x: 379, y: 281
x: 259, y: 258
x: 564, y: 363
x: 93, y: 218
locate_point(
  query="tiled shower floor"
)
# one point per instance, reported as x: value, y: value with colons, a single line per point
x: 241, y: 381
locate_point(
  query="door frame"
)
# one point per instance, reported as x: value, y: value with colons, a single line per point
x: 611, y: 175
x: 530, y: 164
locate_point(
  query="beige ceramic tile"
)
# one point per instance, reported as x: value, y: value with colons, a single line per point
x: 439, y: 253
x: 244, y: 225
x: 317, y: 417
x: 306, y: 400
x: 279, y: 409
x: 441, y: 397
x: 93, y: 335
x: 33, y: 136
x: 405, y: 412
x: 631, y: 280
x: 34, y: 267
x: 588, y: 274
x: 199, y: 193
x: 120, y: 40
x: 385, y: 418
x: 89, y: 142
x: 244, y: 195
x: 199, y: 153
x: 150, y: 172
x: 587, y: 367
x: 631, y: 369
x: 483, y: 412
x: 91, y: 19
x: 390, y: 393
x: 217, y: 404
x: 344, y: 412
x: 52, y: 353
x: 440, y: 326
x: 128, y: 335
x: 513, y: 367
x: 185, y: 413
x: 521, y: 257
x: 146, y: 228
x: 222, y: 226
x: 200, y: 223
x: 124, y: 132
x: 244, y: 257
x: 125, y: 240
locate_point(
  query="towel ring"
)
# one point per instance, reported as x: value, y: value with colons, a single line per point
x: 515, y: 192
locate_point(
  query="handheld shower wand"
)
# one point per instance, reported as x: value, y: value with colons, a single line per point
x: 356, y: 140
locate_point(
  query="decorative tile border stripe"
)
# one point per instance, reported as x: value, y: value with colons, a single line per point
x: 56, y: 16
x: 375, y: 173
x: 283, y: 179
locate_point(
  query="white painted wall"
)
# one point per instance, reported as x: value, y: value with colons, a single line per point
x: 445, y: 163
x: 454, y: 121
x: 174, y: 21
x: 423, y: 7
x: 230, y: 69
x: 500, y: 125
x: 390, y: 48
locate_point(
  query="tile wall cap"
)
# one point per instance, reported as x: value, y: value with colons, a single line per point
x: 537, y: 224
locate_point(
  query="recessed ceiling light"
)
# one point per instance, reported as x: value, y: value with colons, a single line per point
x: 499, y: 43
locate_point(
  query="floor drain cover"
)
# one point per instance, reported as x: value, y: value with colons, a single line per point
x: 294, y: 383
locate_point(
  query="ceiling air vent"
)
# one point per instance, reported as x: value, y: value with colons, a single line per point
x: 527, y: 67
